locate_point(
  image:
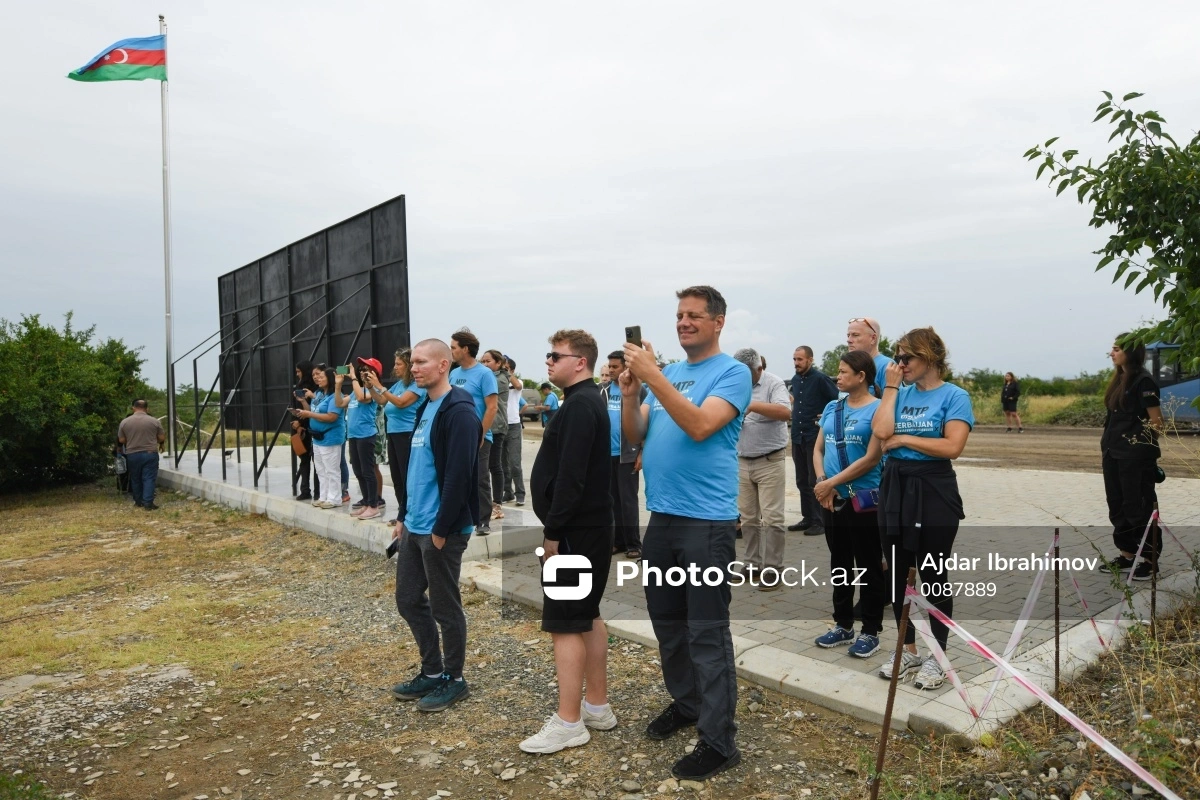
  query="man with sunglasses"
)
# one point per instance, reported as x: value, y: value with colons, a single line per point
x: 864, y: 333
x: 812, y: 390
x: 689, y: 423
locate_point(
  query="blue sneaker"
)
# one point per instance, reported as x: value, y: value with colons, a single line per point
x: 835, y: 636
x: 417, y: 688
x: 864, y: 646
x: 445, y: 695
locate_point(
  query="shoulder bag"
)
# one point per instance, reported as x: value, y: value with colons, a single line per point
x: 864, y: 501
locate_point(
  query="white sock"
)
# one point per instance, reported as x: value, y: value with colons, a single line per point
x: 591, y: 709
x: 434, y: 675
x: 574, y: 724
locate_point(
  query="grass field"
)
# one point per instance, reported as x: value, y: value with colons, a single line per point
x: 1038, y: 410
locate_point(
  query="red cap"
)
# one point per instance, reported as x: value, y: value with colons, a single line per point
x: 373, y: 363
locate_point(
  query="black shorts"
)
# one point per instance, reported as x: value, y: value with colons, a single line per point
x: 577, y: 616
x: 1009, y: 405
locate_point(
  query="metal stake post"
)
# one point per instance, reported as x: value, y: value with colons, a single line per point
x: 891, y: 698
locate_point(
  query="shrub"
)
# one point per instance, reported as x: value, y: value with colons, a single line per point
x: 63, y: 397
x: 1087, y: 411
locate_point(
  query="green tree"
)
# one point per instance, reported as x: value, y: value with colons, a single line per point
x: 1147, y: 193
x: 63, y: 397
x: 829, y: 361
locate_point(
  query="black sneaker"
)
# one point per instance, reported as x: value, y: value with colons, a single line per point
x: 304, y: 496
x: 1145, y: 570
x: 520, y: 501
x: 1120, y: 564
x: 482, y: 530
x: 814, y: 530
x: 150, y: 506
x: 704, y: 762
x: 508, y: 497
x: 359, y: 504
x: 447, y: 693
x: 669, y: 721
x: 802, y: 525
x: 416, y: 688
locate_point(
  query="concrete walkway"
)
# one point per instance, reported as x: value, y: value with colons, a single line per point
x: 1011, y: 513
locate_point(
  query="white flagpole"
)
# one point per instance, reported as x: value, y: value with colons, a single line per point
x: 166, y: 154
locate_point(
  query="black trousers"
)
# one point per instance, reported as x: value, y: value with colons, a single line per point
x: 362, y: 459
x: 853, y: 541
x: 806, y: 479
x: 485, y: 484
x: 303, y: 471
x: 939, y: 526
x: 623, y: 482
x: 496, y: 468
x: 1129, y: 490
x: 399, y: 446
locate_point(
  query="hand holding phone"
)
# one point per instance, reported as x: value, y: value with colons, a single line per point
x: 342, y: 369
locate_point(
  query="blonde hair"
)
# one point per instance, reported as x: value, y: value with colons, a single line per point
x: 925, y: 344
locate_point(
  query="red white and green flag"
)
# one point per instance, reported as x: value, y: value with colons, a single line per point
x: 127, y: 60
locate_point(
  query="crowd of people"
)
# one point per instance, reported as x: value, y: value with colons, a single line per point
x: 872, y: 446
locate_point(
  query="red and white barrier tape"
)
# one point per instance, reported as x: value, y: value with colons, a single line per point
x: 922, y: 627
x: 1018, y: 631
x: 1091, y: 733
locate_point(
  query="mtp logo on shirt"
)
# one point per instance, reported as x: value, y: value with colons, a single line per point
x: 575, y: 572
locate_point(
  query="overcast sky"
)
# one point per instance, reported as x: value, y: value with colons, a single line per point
x: 571, y: 164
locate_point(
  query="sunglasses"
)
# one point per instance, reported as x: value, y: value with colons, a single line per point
x: 903, y: 359
x: 866, y: 322
x: 552, y: 356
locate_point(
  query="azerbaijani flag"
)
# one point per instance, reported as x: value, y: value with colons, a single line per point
x: 127, y: 60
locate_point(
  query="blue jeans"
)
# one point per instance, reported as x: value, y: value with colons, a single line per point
x: 143, y: 475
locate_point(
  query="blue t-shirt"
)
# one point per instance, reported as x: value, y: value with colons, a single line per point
x: 360, y: 419
x: 614, y: 418
x: 686, y: 477
x: 881, y: 364
x: 857, y: 425
x: 551, y: 403
x: 400, y: 420
x: 424, y: 498
x: 926, y: 414
x: 479, y: 382
x: 335, y: 432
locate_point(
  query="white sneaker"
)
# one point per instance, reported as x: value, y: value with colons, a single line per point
x: 555, y: 736
x: 606, y: 720
x: 909, y: 663
x: 930, y: 676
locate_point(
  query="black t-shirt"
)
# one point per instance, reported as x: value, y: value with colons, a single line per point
x: 1126, y: 434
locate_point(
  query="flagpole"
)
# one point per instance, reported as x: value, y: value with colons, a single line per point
x: 166, y: 173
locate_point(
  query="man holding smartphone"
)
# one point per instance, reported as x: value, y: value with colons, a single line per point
x: 688, y: 425
x: 442, y: 512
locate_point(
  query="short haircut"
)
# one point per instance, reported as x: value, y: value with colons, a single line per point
x: 512, y: 365
x: 807, y: 350
x: 581, y: 343
x: 925, y: 344
x: 546, y: 386
x: 714, y: 303
x: 748, y: 356
x: 139, y: 404
x: 440, y: 349
x: 617, y: 355
x: 859, y: 361
x: 466, y: 339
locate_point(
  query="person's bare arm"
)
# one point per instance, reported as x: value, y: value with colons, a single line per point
x: 949, y: 445
x: 489, y: 413
x: 883, y: 424
x: 635, y: 415
x: 775, y: 411
x: 698, y: 421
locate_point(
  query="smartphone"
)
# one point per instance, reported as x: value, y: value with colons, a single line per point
x: 633, y: 335
x: 343, y: 369
x: 392, y: 548
x: 299, y: 394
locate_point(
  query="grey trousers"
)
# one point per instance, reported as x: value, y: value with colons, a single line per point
x: 427, y: 597
x: 485, y: 484
x: 761, y: 485
x: 514, y: 480
x: 691, y: 622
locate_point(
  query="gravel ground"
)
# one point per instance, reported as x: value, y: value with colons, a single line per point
x: 306, y: 712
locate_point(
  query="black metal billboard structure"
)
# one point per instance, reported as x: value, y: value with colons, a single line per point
x: 339, y: 293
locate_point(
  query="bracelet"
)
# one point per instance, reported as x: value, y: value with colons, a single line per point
x: 889, y: 386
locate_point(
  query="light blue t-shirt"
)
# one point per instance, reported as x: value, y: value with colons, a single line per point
x: 686, y: 477
x: 881, y: 364
x: 926, y: 414
x: 335, y: 432
x: 479, y: 382
x: 360, y: 419
x: 857, y: 425
x: 614, y: 418
x: 400, y: 420
x: 551, y: 403
x: 424, y: 498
